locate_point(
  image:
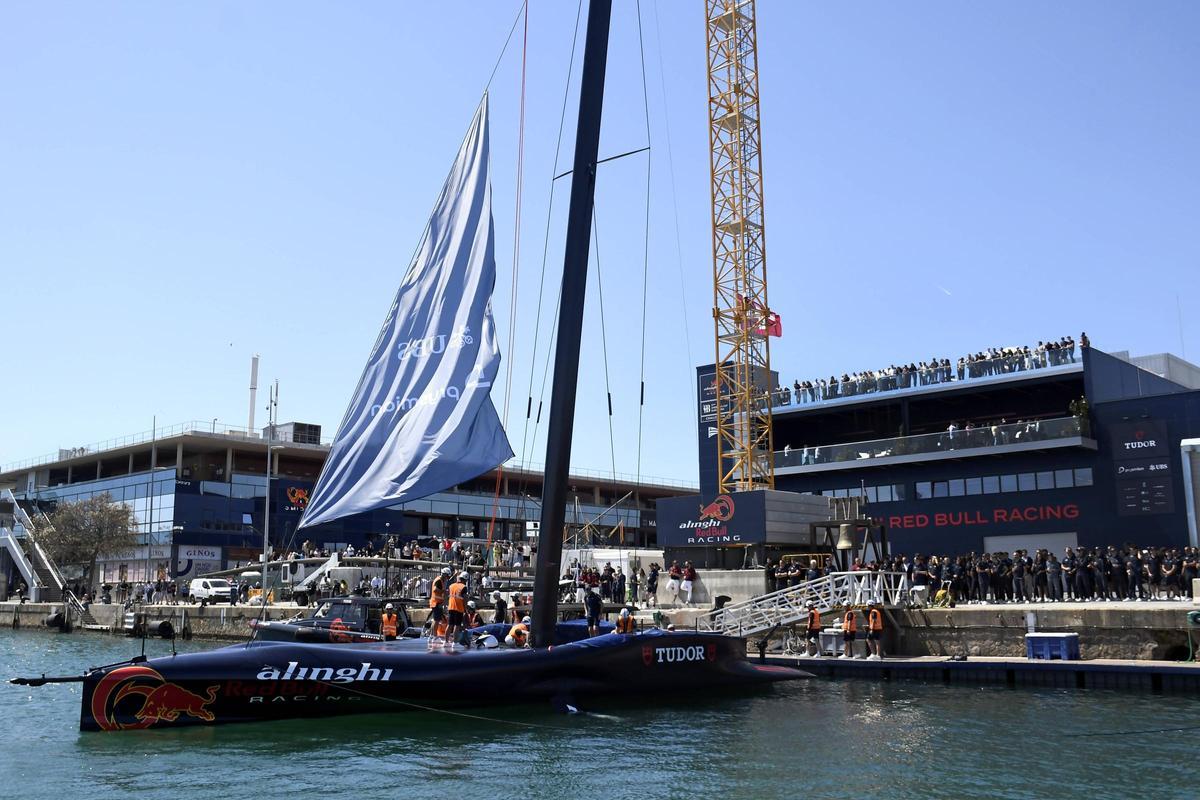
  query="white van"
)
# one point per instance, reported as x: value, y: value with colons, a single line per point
x: 211, y: 590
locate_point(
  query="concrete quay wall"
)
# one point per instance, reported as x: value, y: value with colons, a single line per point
x: 1115, y: 631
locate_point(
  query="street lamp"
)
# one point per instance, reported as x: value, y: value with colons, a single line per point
x: 267, y: 521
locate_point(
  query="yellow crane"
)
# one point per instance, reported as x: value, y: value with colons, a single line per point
x: 743, y: 319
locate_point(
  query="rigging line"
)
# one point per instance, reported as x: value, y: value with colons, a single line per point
x: 687, y: 336
x: 344, y: 688
x: 516, y: 266
x: 606, y: 160
x: 612, y: 448
x: 546, y: 240
x: 504, y: 49
x: 645, y: 253
x: 1183, y: 728
x: 516, y: 260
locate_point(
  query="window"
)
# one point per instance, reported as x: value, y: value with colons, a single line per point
x: 872, y: 495
x: 1026, y: 482
x: 885, y: 494
x: 991, y: 484
x: 924, y: 490
x: 1008, y: 483
x: 1045, y: 480
x: 899, y: 492
x: 974, y: 486
x: 1064, y: 478
x: 956, y: 488
x: 940, y: 489
x: 1083, y: 476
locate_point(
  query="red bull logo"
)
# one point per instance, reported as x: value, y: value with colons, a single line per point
x: 720, y: 509
x: 297, y: 496
x: 116, y: 706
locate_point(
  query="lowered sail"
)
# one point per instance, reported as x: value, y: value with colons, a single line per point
x: 422, y: 419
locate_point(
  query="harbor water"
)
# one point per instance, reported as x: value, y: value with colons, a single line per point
x: 815, y: 738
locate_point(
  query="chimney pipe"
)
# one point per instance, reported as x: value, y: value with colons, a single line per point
x: 253, y: 392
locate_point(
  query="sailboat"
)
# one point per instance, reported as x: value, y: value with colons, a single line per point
x: 421, y: 420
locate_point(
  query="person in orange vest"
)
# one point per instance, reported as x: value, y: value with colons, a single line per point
x: 458, y: 607
x: 472, y: 618
x: 518, y: 635
x: 849, y: 633
x: 389, y: 623
x: 812, y: 632
x: 625, y: 622
x: 437, y: 608
x: 875, y: 632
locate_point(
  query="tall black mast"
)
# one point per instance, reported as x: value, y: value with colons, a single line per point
x: 570, y: 325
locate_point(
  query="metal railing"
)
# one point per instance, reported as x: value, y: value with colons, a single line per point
x: 32, y: 582
x: 878, y: 382
x: 944, y: 441
x: 789, y: 606
x: 199, y: 427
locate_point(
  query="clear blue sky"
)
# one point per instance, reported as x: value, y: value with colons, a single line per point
x: 183, y: 185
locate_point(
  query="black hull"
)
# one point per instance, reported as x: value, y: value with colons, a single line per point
x: 271, y: 681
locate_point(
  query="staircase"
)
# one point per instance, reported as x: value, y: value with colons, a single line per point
x: 790, y: 606
x: 16, y: 552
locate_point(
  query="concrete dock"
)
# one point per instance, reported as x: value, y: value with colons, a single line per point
x: 1154, y: 676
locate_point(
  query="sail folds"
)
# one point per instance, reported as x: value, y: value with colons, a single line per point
x: 422, y: 419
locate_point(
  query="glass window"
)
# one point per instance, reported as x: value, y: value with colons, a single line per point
x: 1045, y: 480
x: 1008, y: 483
x: 940, y: 489
x: 885, y: 494
x: 1026, y: 482
x: 872, y: 495
x: 840, y: 493
x: 899, y: 491
x: 974, y: 485
x: 1064, y: 478
x: 924, y: 490
x: 956, y: 488
x: 1083, y: 476
x: 437, y: 527
x: 991, y: 484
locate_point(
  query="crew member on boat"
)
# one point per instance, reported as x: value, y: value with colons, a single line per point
x: 472, y: 618
x: 437, y: 608
x: 457, y: 606
x: 625, y: 622
x: 592, y: 606
x: 501, y: 608
x: 389, y: 623
x: 518, y: 635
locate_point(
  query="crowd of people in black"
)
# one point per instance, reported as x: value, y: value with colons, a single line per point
x: 1083, y: 574
x: 992, y: 361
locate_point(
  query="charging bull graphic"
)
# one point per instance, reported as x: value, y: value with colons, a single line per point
x: 720, y: 509
x: 297, y: 496
x: 113, y: 710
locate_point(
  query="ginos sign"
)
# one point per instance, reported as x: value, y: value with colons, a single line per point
x: 995, y: 516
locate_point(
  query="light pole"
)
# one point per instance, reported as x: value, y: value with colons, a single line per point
x: 214, y: 425
x: 267, y: 520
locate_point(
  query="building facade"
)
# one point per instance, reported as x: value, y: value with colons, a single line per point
x: 199, y: 496
x: 1084, y: 449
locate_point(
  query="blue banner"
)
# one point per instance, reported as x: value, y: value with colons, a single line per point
x: 422, y: 419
